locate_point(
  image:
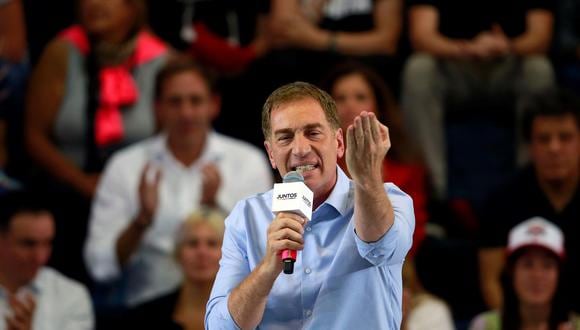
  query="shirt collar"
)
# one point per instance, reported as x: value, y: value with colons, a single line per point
x: 33, y: 286
x: 339, y: 198
x: 209, y: 154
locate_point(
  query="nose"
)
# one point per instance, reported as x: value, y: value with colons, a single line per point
x: 41, y: 255
x: 300, y: 146
x: 555, y: 144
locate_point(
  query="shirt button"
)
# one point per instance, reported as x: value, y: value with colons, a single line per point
x: 308, y: 313
x: 308, y: 228
x: 307, y: 270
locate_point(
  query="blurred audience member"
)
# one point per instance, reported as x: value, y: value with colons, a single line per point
x: 310, y: 37
x: 90, y: 94
x: 568, y: 43
x: 357, y: 88
x: 223, y: 34
x: 33, y: 296
x: 148, y: 189
x: 198, y: 252
x: 13, y: 75
x: 347, y: 27
x: 471, y: 54
x: 421, y: 310
x: 531, y: 281
x: 547, y: 188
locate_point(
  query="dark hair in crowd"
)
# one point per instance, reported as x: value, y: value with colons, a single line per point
x: 180, y: 64
x: 551, y: 103
x: 16, y: 202
x: 510, y: 314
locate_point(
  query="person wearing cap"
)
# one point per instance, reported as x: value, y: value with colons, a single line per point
x: 548, y: 187
x: 533, y: 292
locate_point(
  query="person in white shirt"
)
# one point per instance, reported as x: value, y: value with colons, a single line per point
x: 33, y: 296
x: 148, y: 189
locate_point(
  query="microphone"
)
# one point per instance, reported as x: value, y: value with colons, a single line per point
x: 292, y: 195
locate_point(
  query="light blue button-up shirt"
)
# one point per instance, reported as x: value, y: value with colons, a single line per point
x: 339, y: 281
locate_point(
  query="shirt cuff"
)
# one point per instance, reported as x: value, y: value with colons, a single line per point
x: 219, y: 316
x: 378, y: 252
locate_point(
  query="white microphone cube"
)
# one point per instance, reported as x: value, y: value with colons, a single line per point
x: 293, y: 197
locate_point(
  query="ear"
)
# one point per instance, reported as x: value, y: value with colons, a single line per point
x: 216, y: 105
x: 339, y: 143
x: 268, y: 147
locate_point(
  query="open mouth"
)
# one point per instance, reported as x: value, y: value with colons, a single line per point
x: 304, y: 168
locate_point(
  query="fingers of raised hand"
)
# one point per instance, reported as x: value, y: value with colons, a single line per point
x: 211, y: 174
x: 22, y: 311
x: 150, y: 176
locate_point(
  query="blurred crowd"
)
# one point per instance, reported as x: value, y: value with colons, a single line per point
x: 129, y: 129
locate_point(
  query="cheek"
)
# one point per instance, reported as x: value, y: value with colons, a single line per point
x: 553, y: 277
x: 216, y: 256
x: 519, y: 281
x: 187, y: 256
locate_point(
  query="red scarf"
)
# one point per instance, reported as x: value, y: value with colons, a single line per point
x: 117, y: 86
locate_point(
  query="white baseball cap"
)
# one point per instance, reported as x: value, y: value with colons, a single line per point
x: 537, y: 232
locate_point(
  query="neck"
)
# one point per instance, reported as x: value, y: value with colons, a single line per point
x: 560, y: 192
x: 535, y: 316
x: 115, y: 37
x: 318, y: 200
x: 186, y: 152
x: 195, y: 294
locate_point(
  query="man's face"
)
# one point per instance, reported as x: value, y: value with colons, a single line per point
x: 186, y: 107
x: 555, y: 147
x: 26, y: 246
x: 301, y: 137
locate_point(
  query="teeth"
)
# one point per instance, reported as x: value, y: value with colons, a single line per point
x: 303, y: 168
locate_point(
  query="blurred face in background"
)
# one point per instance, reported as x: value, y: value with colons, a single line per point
x: 26, y: 246
x: 536, y: 277
x: 199, y: 252
x: 108, y: 17
x: 353, y: 94
x: 186, y: 107
x: 555, y: 147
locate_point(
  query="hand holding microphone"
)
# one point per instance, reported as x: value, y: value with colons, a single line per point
x: 292, y: 203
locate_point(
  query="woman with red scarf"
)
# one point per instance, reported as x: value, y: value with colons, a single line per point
x: 90, y: 95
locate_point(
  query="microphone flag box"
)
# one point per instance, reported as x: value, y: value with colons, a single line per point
x: 292, y: 197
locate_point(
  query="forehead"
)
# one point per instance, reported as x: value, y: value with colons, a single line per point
x: 565, y: 122
x: 353, y: 80
x: 33, y: 225
x: 297, y: 114
x: 200, y: 229
x: 185, y: 82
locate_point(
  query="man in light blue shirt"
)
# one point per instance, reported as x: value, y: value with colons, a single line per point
x: 348, y: 271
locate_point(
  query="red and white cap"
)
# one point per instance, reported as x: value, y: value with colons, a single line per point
x: 537, y: 232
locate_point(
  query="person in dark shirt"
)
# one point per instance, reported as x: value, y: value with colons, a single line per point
x: 547, y: 188
x: 470, y: 55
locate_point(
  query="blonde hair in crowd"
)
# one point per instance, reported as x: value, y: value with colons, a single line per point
x: 211, y: 216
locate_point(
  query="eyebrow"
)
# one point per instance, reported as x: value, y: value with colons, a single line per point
x: 304, y: 128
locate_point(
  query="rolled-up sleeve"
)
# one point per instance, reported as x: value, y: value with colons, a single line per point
x: 394, y: 245
x: 234, y: 268
x: 110, y: 215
